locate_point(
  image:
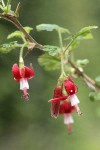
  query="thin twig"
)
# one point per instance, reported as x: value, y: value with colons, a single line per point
x: 89, y: 82
x: 15, y: 21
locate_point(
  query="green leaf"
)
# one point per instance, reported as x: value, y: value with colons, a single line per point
x: 49, y: 62
x: 51, y: 27
x: 52, y: 50
x: 82, y: 63
x: 74, y: 44
x: 94, y: 96
x: 5, y: 48
x: 28, y: 29
x: 63, y: 30
x: 84, y: 33
x: 97, y: 80
x: 19, y: 34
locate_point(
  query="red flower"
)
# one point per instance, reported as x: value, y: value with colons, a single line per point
x: 55, y: 102
x: 66, y: 109
x: 22, y: 75
x: 71, y: 90
x: 70, y: 87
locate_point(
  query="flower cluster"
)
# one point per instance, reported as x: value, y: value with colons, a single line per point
x: 22, y: 74
x: 65, y: 103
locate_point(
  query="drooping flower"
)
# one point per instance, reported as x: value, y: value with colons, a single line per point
x: 71, y: 90
x: 70, y: 87
x: 66, y: 109
x: 22, y: 75
x: 55, y: 102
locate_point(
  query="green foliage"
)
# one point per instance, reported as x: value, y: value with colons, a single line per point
x: 51, y: 27
x: 28, y: 29
x: 7, y: 8
x: 94, y: 96
x: 74, y: 44
x: 19, y: 34
x: 5, y: 48
x: 84, y: 33
x: 49, y: 62
x: 52, y: 50
x: 97, y: 80
x: 82, y: 63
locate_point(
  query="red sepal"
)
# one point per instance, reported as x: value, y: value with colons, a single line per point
x: 70, y: 87
x: 16, y: 72
x: 55, y: 109
x: 29, y: 73
x: 58, y: 99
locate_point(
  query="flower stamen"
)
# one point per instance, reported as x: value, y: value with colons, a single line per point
x: 25, y: 95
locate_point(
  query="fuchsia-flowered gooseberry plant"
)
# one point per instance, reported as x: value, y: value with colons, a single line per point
x: 64, y: 100
x: 22, y: 74
x: 66, y: 109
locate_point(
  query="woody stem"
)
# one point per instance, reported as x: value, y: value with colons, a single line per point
x: 16, y: 22
x: 89, y: 82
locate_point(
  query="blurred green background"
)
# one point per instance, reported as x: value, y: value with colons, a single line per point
x: 28, y: 125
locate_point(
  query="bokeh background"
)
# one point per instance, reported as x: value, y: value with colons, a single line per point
x: 28, y: 125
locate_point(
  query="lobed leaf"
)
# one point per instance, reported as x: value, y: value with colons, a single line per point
x: 82, y: 62
x: 19, y: 34
x: 5, y: 48
x: 49, y: 62
x: 51, y: 27
x: 84, y: 33
x: 52, y: 50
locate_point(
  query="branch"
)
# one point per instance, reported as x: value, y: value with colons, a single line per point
x: 89, y: 82
x: 15, y: 21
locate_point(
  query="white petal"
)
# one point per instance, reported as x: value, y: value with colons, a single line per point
x: 68, y: 118
x: 74, y: 100
x: 24, y: 84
